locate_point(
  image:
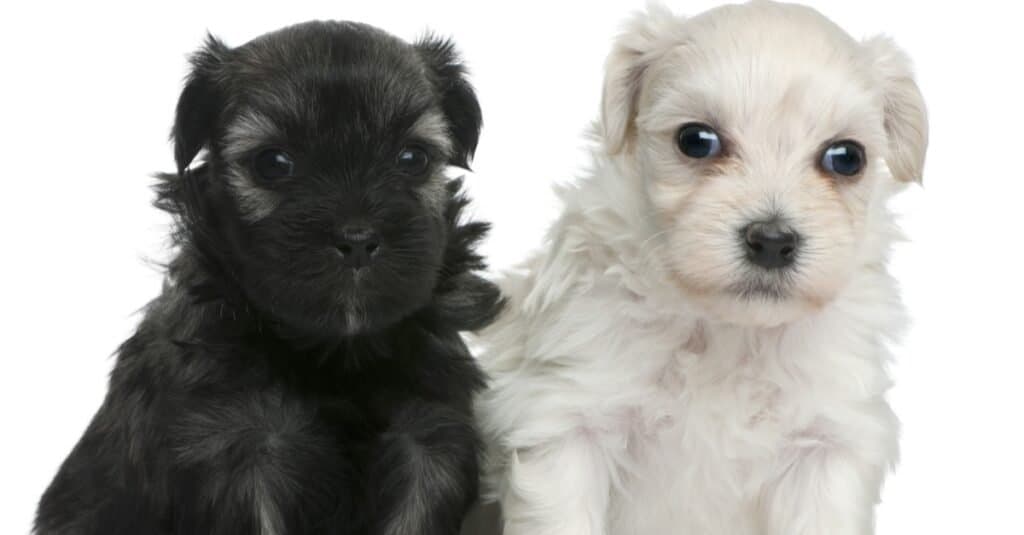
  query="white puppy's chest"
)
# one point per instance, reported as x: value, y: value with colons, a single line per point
x: 707, y: 431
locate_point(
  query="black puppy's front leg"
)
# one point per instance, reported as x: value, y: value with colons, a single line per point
x: 423, y: 477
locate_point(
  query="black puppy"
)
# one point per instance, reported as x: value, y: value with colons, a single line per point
x: 302, y: 371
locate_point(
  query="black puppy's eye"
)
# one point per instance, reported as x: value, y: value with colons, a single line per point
x: 273, y: 163
x: 698, y: 140
x: 413, y: 160
x: 844, y: 158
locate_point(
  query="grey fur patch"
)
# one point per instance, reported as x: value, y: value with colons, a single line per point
x: 268, y: 517
x: 430, y: 475
x: 254, y: 202
x: 244, y: 135
x: 434, y: 193
x: 433, y: 127
x: 247, y: 132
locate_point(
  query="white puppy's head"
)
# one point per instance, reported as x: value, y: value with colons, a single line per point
x: 766, y: 140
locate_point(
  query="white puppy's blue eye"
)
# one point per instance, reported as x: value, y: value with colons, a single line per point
x: 698, y: 140
x: 844, y: 158
x: 272, y: 164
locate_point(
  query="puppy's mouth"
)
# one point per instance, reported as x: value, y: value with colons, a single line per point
x: 775, y: 288
x: 760, y: 291
x: 355, y: 275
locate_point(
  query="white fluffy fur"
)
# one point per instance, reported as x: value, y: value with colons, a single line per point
x: 633, y: 391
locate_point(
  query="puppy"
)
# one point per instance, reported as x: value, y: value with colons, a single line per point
x: 302, y: 371
x: 701, y: 349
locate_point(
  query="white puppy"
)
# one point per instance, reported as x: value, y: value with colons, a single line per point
x: 701, y: 349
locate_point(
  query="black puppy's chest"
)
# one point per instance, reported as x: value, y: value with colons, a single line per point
x: 301, y: 438
x: 357, y: 393
x: 304, y: 397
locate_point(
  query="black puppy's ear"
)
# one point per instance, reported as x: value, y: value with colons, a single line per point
x: 199, y: 103
x: 458, y: 100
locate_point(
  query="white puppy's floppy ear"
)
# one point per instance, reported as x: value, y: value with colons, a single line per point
x: 633, y: 50
x: 906, y: 118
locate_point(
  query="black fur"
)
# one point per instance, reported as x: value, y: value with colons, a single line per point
x: 268, y: 390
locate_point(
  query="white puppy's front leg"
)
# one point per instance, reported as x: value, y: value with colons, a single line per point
x: 559, y: 488
x: 822, y: 490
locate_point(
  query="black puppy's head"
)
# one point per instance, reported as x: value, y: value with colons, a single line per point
x: 321, y: 193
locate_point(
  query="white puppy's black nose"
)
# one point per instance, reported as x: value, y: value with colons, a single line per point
x: 358, y: 246
x: 770, y: 244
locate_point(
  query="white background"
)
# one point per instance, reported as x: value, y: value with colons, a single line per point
x: 87, y: 95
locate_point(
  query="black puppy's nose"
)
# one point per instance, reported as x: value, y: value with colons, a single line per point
x: 358, y: 246
x: 770, y: 244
